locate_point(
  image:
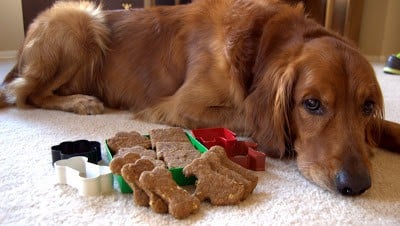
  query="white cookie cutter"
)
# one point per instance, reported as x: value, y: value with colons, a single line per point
x: 90, y: 179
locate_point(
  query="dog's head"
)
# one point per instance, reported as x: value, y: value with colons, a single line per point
x: 336, y: 105
x: 325, y: 105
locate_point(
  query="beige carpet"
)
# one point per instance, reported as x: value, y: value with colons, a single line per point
x: 29, y: 194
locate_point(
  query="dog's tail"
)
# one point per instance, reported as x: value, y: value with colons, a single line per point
x: 68, y: 35
x: 6, y: 99
x: 3, y: 98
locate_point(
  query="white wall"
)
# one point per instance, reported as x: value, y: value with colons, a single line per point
x: 379, y: 34
x: 391, y: 39
x: 380, y: 29
x: 11, y: 25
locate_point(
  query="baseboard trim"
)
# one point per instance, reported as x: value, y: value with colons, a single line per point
x: 12, y: 54
x: 376, y: 59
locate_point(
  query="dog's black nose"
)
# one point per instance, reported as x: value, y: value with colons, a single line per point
x: 352, y: 184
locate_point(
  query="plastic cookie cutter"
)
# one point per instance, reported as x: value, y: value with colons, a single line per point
x: 241, y: 152
x: 68, y: 149
x: 215, y: 136
x: 246, y: 155
x: 90, y: 179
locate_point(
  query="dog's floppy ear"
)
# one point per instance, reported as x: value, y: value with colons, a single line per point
x: 300, y: 7
x: 268, y: 105
x: 377, y: 126
x: 268, y: 109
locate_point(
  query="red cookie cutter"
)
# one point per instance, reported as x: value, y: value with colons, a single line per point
x: 241, y: 152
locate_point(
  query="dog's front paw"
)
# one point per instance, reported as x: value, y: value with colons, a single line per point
x: 86, y: 105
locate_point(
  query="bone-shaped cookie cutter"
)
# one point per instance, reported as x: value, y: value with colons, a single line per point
x: 68, y: 149
x: 90, y: 179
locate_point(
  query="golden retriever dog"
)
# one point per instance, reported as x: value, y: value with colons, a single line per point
x: 258, y: 67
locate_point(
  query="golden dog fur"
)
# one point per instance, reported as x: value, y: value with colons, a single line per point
x: 258, y: 67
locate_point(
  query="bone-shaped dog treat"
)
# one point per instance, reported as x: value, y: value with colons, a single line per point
x: 211, y: 185
x: 216, y: 164
x: 118, y: 162
x: 248, y: 174
x: 127, y: 139
x: 220, y: 180
x: 180, y: 203
x: 142, y: 196
x: 156, y: 162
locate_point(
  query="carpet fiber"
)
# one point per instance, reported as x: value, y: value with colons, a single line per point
x: 30, y: 195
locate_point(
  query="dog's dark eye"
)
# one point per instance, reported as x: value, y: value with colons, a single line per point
x: 368, y: 108
x: 313, y: 106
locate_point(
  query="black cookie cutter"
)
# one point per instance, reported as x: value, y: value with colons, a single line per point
x: 68, y: 149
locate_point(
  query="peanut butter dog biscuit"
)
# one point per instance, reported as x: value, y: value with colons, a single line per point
x: 248, y: 174
x: 180, y: 203
x: 116, y: 166
x: 230, y: 182
x: 213, y: 186
x: 231, y: 169
x: 139, y: 196
x: 137, y: 149
x: 176, y: 154
x: 118, y: 162
x: 126, y: 140
x: 174, y: 134
x: 216, y: 166
x: 142, y: 196
x: 156, y: 162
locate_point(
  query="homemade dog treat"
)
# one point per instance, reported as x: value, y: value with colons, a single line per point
x: 126, y: 140
x: 220, y: 180
x: 162, y: 148
x: 137, y: 149
x: 118, y: 162
x: 211, y: 185
x: 131, y: 173
x: 130, y: 176
x: 156, y: 162
x: 116, y: 166
x: 216, y: 165
x: 133, y: 164
x: 174, y: 134
x: 226, y: 162
x: 180, y: 203
x: 176, y: 154
x: 118, y: 159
